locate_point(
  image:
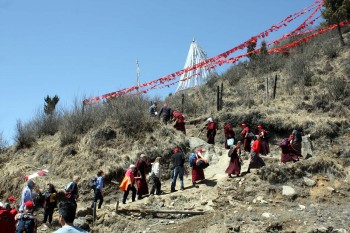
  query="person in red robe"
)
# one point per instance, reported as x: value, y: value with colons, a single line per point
x: 197, y: 172
x: 142, y: 170
x: 179, y: 121
x: 289, y: 154
x: 255, y: 160
x: 229, y: 133
x: 264, y: 142
x: 246, y: 137
x: 234, y: 166
x: 211, y: 131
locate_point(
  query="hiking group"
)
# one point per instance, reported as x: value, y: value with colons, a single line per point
x: 254, y: 143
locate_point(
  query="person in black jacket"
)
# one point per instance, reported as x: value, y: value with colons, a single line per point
x: 50, y: 203
x: 165, y: 112
x: 178, y: 159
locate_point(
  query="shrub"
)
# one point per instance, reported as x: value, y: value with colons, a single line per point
x: 338, y: 88
x: 25, y: 135
x: 46, y: 124
x: 3, y: 142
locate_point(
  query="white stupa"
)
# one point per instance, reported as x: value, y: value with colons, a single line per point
x: 196, y: 77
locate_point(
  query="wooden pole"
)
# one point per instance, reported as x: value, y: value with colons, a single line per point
x: 182, y: 102
x: 221, y: 94
x: 274, y: 87
x: 267, y: 89
x: 218, y: 99
x: 148, y: 211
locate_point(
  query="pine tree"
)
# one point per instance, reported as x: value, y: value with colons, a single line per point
x: 251, y: 47
x: 263, y: 50
x: 336, y: 11
x: 50, y: 104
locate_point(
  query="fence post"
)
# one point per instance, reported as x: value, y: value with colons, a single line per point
x: 274, y: 87
x: 221, y: 94
x: 182, y: 102
x: 218, y: 98
x: 267, y: 89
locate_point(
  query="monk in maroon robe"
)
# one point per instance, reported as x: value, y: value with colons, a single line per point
x: 197, y: 172
x: 142, y: 170
x: 229, y: 133
x: 245, y: 137
x: 264, y: 142
x: 234, y: 166
x: 179, y: 121
x: 255, y: 160
x: 211, y: 131
x: 289, y: 154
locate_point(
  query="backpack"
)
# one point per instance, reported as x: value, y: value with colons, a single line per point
x: 26, y: 223
x: 192, y: 159
x: 93, y: 183
x: 7, y: 221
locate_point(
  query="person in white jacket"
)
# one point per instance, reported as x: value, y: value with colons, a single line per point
x: 155, y: 177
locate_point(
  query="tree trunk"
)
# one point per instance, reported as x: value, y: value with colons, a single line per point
x: 342, y: 43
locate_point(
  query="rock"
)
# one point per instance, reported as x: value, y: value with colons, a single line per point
x: 89, y: 218
x: 237, y: 229
x: 322, y: 230
x: 84, y: 212
x: 82, y: 223
x: 340, y: 231
x: 204, y: 202
x: 250, y: 208
x: 302, y: 207
x: 309, y: 182
x: 330, y: 189
x: 171, y: 222
x: 288, y: 191
x: 266, y: 215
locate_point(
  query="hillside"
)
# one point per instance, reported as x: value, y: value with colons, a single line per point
x: 312, y: 93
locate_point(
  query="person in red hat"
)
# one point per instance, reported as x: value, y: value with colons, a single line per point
x: 264, y: 140
x: 27, y: 222
x: 245, y: 135
x: 197, y: 171
x: 12, y: 202
x: 255, y: 160
x: 234, y: 167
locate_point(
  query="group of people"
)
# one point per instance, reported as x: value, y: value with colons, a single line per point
x: 167, y: 114
x: 24, y: 220
x: 256, y: 145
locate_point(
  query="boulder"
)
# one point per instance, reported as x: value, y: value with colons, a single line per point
x: 288, y: 191
x: 309, y: 182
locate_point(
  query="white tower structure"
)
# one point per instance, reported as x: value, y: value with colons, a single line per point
x: 195, y: 77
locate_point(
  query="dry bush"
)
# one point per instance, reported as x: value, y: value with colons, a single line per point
x: 3, y: 142
x: 46, y: 124
x: 24, y: 135
x: 338, y: 88
x: 234, y: 74
x: 190, y: 105
x: 276, y: 174
x: 77, y: 121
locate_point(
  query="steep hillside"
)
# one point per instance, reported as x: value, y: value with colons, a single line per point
x: 312, y: 93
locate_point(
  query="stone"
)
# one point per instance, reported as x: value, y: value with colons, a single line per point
x: 82, y: 223
x: 288, y: 191
x: 266, y: 215
x: 302, y: 207
x: 250, y: 208
x: 330, y: 189
x: 309, y: 182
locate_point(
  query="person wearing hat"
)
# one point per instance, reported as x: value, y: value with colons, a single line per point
x: 179, y: 121
x: 66, y: 216
x: 211, y: 130
x: 234, y: 167
x: 178, y: 159
x: 197, y: 172
x: 264, y: 140
x: 229, y: 134
x: 27, y: 222
x: 255, y: 160
x: 26, y: 194
x: 246, y: 137
x: 128, y: 183
x: 142, y: 170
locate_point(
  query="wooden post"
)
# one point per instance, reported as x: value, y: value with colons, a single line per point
x: 267, y: 89
x: 182, y: 102
x: 274, y: 87
x: 94, y: 214
x: 218, y: 99
x: 221, y: 94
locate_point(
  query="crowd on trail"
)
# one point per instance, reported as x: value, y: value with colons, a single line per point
x: 253, y: 142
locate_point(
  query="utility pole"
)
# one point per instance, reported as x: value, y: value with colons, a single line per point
x: 137, y: 74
